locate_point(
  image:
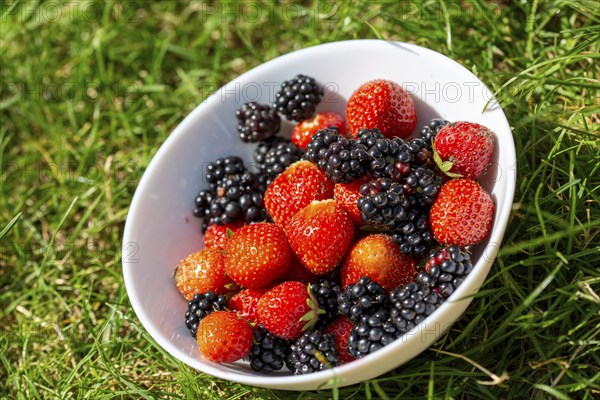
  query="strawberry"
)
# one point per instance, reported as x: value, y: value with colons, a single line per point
x: 305, y: 130
x: 383, y: 105
x: 462, y: 214
x: 215, y: 236
x: 244, y: 303
x: 347, y: 195
x: 297, y: 272
x: 320, y: 234
x: 301, y: 183
x: 378, y: 257
x: 340, y: 330
x: 288, y: 310
x: 463, y: 149
x: 257, y: 254
x: 224, y: 337
x: 201, y: 272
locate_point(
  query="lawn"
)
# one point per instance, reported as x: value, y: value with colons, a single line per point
x: 89, y: 91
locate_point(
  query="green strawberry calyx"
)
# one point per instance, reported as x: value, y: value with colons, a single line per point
x: 312, y: 316
x: 444, y: 166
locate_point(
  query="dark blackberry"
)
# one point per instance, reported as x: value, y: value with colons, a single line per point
x: 361, y: 299
x: 383, y: 203
x: 203, y: 202
x: 368, y: 137
x: 233, y: 194
x: 257, y: 122
x: 314, y: 351
x: 429, y: 131
x: 200, y: 306
x: 422, y: 153
x: 425, y: 184
x: 268, y: 352
x: 390, y: 158
x: 446, y: 270
x: 342, y: 159
x: 273, y: 157
x: 413, y: 234
x: 297, y: 99
x: 372, y: 333
x: 222, y: 168
x: 411, y: 304
x: 326, y: 292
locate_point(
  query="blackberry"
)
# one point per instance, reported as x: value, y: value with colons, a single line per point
x: 233, y: 194
x: 203, y: 202
x: 257, y: 122
x: 361, y: 299
x: 221, y: 168
x: 297, y: 99
x: 429, y: 131
x: 314, y: 351
x: 446, y: 270
x: 368, y: 137
x: 272, y: 157
x: 326, y: 292
x: 413, y: 234
x: 372, y: 333
x: 342, y: 159
x: 425, y: 183
x: 389, y: 158
x: 423, y: 155
x: 200, y: 306
x: 268, y: 352
x: 383, y: 203
x: 411, y: 304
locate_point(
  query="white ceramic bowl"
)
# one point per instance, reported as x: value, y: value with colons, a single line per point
x: 160, y: 228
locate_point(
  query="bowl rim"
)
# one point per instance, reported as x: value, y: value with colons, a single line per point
x: 322, y: 378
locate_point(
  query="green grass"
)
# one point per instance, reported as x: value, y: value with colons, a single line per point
x: 90, y: 90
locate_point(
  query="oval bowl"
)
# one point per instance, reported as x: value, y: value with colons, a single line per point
x: 160, y: 229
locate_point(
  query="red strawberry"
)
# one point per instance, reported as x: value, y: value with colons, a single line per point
x: 297, y: 272
x: 257, y: 254
x: 383, y: 105
x: 201, y: 272
x: 287, y: 310
x: 301, y: 183
x: 340, y: 330
x: 464, y: 149
x: 462, y: 214
x: 320, y: 234
x: 347, y: 195
x: 378, y: 257
x: 216, y: 235
x: 245, y: 302
x: 305, y: 130
x: 224, y: 337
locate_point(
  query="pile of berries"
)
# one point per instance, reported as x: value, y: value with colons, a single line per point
x: 342, y: 239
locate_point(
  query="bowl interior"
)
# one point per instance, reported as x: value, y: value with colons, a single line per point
x: 161, y: 229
